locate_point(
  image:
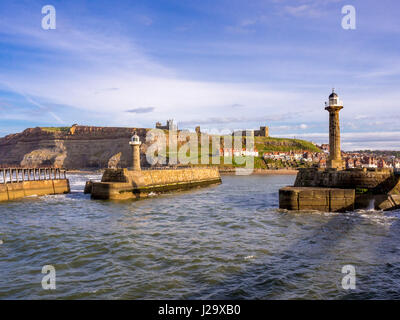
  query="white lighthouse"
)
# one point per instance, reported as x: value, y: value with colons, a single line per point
x: 135, y: 143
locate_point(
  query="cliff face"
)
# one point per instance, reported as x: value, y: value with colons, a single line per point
x: 84, y: 147
x: 71, y: 148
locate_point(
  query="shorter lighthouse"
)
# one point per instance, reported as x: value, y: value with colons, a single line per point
x: 333, y: 107
x: 135, y: 143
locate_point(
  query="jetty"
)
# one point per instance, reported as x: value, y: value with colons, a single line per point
x: 17, y: 183
x: 337, y: 189
x: 136, y: 183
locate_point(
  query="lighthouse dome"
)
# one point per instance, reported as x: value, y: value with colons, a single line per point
x: 334, y: 99
x: 135, y: 139
x: 333, y: 95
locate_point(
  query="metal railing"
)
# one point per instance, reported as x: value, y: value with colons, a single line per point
x: 15, y: 175
x: 177, y: 167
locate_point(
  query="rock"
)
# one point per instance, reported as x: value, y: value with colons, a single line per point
x: 78, y: 147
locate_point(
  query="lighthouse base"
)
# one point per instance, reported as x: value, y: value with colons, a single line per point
x: 336, y: 164
x: 342, y: 190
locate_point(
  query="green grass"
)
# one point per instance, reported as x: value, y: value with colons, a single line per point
x: 267, y: 144
x: 262, y: 144
x: 56, y: 129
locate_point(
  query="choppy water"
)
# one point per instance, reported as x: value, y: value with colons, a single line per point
x: 227, y: 241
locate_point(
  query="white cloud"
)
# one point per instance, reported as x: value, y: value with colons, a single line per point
x: 106, y: 73
x: 110, y: 74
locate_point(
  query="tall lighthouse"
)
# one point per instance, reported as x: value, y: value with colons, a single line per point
x: 135, y: 143
x: 333, y: 107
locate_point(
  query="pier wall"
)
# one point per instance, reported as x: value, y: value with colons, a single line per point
x: 321, y: 199
x: 342, y: 190
x: 17, y: 183
x: 120, y: 184
x: 377, y: 181
x: 18, y: 190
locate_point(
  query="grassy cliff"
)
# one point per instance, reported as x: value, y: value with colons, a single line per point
x: 96, y: 147
x: 264, y: 144
x: 56, y: 129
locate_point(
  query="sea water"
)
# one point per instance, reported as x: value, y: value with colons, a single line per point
x: 222, y: 242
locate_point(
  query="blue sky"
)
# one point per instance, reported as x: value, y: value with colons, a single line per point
x: 221, y: 64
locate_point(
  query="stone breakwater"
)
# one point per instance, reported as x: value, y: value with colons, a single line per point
x: 20, y: 183
x: 122, y: 184
x: 321, y: 199
x: 376, y: 181
x: 342, y: 190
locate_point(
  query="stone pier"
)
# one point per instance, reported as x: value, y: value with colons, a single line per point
x: 342, y: 190
x: 17, y: 183
x: 336, y: 188
x: 321, y: 199
x: 122, y: 184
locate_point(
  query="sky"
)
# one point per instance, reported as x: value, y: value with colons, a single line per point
x: 220, y: 64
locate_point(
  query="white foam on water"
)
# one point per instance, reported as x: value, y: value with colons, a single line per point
x: 371, y: 205
x: 380, y: 219
x: 374, y: 216
x: 77, y: 182
x: 377, y: 216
